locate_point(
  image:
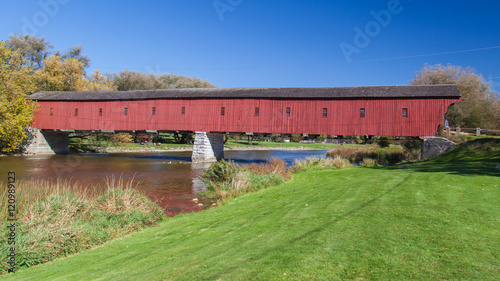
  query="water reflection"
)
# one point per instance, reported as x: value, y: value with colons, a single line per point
x: 168, y: 177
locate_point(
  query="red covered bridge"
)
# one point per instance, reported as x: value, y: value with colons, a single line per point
x: 378, y: 110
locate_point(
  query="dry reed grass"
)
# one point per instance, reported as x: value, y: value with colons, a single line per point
x: 316, y: 162
x: 274, y: 166
x: 347, y: 151
x: 58, y: 218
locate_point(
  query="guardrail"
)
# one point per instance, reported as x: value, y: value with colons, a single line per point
x: 478, y: 131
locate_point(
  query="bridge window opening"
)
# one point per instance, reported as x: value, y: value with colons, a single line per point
x: 76, y: 111
x: 325, y: 112
x: 256, y: 111
x: 153, y: 111
x: 362, y: 112
x: 288, y: 111
x: 405, y: 112
x: 183, y: 111
x: 125, y: 112
x: 222, y: 111
x: 100, y: 111
x: 51, y: 111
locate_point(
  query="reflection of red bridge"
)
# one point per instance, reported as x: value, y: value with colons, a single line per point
x: 381, y: 110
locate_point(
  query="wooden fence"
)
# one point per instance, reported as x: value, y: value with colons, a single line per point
x: 478, y: 131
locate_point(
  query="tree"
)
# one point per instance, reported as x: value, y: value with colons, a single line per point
x: 75, y: 52
x: 16, y: 113
x: 69, y: 75
x: 33, y: 49
x: 480, y: 106
x: 25, y: 68
x: 131, y: 80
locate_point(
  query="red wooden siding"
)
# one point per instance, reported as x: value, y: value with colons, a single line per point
x: 383, y: 117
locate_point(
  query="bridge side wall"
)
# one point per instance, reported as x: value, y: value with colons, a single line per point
x: 383, y: 117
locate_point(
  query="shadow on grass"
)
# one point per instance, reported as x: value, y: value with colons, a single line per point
x: 477, y: 157
x: 307, y: 235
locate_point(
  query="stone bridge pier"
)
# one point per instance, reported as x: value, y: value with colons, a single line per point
x: 208, y: 147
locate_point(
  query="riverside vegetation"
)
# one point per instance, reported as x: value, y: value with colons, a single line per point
x: 57, y: 219
x: 225, y: 179
x: 436, y: 219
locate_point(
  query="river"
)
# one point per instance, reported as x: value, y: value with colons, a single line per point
x: 169, y: 178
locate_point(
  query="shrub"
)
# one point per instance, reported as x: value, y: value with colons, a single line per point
x: 226, y: 179
x: 368, y: 162
x: 384, y: 142
x: 412, y: 149
x: 219, y: 173
x: 295, y: 138
x: 122, y: 138
x: 340, y: 163
x: 440, y: 131
x: 381, y: 156
x: 458, y: 138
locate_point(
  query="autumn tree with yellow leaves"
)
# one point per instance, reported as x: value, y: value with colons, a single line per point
x: 69, y: 75
x: 24, y: 72
x: 16, y: 80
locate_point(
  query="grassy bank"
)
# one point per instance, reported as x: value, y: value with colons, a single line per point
x: 435, y: 220
x: 56, y: 219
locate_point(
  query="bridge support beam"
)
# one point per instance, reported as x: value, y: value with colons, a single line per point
x: 208, y: 147
x: 45, y: 142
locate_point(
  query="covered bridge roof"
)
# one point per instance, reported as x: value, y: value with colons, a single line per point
x: 367, y: 92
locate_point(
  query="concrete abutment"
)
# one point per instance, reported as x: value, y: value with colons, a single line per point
x: 46, y: 142
x: 434, y: 146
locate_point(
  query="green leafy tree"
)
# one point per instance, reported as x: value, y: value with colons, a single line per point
x: 33, y: 49
x: 16, y: 113
x: 75, y: 52
x: 480, y: 106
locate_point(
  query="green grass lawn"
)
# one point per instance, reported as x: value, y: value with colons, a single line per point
x: 435, y: 220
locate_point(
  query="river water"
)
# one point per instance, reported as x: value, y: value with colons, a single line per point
x: 169, y: 178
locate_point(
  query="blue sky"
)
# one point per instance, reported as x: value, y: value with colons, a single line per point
x: 263, y: 43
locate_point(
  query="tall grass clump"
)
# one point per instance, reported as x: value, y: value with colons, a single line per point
x: 356, y: 155
x: 320, y: 163
x: 390, y: 155
x: 225, y: 179
x: 56, y: 219
x: 346, y: 151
